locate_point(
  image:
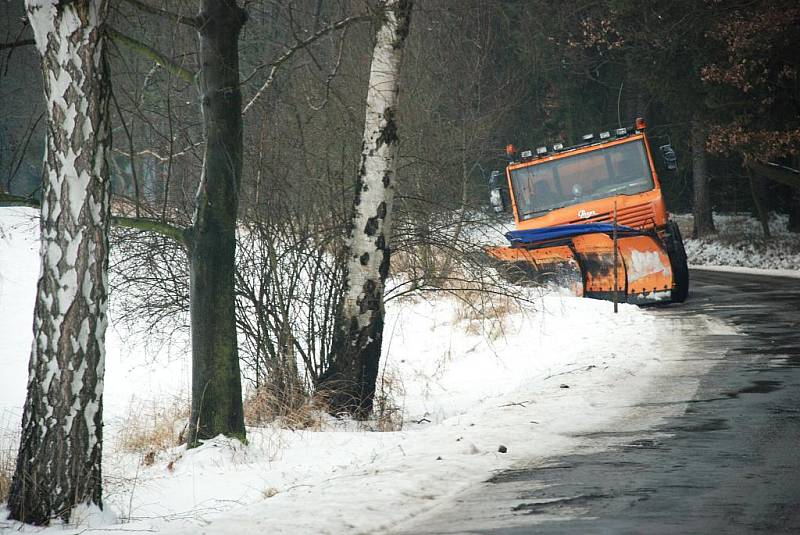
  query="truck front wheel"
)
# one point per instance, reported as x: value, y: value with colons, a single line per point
x: 677, y: 259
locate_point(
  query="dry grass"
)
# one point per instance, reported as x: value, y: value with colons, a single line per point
x: 484, y: 313
x: 418, y: 262
x: 6, y: 472
x: 154, y: 427
x: 266, y: 407
x: 9, y: 442
x: 477, y: 305
x: 484, y: 301
x: 430, y: 267
x: 294, y: 410
x: 387, y: 409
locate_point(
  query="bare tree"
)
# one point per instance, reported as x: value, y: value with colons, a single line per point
x: 211, y: 238
x: 451, y: 134
x: 703, y: 216
x: 216, y: 379
x: 58, y: 466
x: 350, y: 379
x: 759, y: 189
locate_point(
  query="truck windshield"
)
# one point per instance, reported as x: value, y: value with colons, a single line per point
x: 618, y: 170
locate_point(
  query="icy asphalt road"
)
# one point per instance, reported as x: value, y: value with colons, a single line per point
x: 728, y: 462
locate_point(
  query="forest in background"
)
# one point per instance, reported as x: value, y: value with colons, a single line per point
x: 716, y: 79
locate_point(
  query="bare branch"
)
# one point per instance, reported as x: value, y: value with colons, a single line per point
x: 330, y: 77
x: 22, y: 42
x: 775, y: 172
x: 160, y: 157
x: 274, y: 65
x: 179, y: 234
x: 18, y: 155
x: 16, y: 200
x: 177, y: 17
x: 130, y: 157
x: 151, y: 53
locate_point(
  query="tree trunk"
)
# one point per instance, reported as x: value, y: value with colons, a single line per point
x: 216, y: 380
x: 349, y: 382
x: 794, y: 213
x: 703, y: 218
x: 58, y: 465
x: 635, y: 103
x: 776, y: 173
x: 758, y: 188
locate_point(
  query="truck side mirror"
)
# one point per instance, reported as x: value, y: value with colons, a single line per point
x: 670, y: 159
x: 495, y: 197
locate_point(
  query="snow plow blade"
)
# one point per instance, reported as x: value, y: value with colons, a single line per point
x: 583, y: 262
x: 556, y: 265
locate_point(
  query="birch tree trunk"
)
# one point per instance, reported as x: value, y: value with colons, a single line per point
x: 216, y: 379
x: 703, y: 217
x: 349, y: 382
x: 58, y: 465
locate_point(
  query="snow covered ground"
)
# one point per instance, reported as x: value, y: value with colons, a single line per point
x: 527, y: 378
x: 740, y: 243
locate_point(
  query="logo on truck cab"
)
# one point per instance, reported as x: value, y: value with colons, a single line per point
x: 583, y: 214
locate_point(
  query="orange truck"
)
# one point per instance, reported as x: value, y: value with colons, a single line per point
x: 591, y: 217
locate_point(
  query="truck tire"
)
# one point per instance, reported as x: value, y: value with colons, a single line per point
x: 677, y: 259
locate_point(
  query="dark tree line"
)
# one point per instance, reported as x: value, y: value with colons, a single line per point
x: 718, y: 79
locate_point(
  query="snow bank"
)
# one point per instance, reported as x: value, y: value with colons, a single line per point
x: 791, y: 273
x: 740, y: 242
x: 530, y: 384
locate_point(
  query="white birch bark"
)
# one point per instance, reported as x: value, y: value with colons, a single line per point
x: 359, y: 335
x: 58, y: 465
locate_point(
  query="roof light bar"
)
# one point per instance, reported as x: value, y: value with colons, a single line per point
x: 605, y: 135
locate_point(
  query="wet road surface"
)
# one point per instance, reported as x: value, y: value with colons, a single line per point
x: 728, y: 463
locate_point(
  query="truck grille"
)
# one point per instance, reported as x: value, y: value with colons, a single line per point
x: 640, y: 216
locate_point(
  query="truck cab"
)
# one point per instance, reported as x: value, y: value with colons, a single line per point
x: 592, y: 217
x: 581, y: 184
